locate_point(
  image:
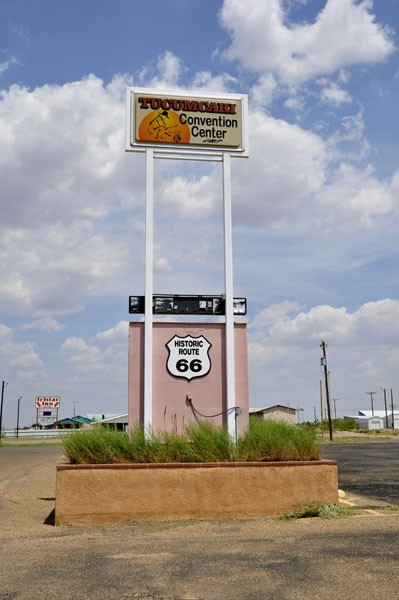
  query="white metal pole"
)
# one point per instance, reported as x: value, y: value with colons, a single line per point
x: 149, y: 238
x: 228, y: 284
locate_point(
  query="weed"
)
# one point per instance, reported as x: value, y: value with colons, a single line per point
x: 342, y: 425
x: 324, y: 510
x: 199, y: 442
x: 275, y: 441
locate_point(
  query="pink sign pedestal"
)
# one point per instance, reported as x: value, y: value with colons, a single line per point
x: 170, y: 409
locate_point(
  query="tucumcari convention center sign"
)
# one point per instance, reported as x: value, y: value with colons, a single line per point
x: 196, y: 121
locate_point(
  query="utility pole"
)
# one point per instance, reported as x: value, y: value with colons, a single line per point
x: 385, y: 403
x: 321, y: 409
x: 335, y: 407
x: 4, y: 384
x: 19, y: 400
x: 372, y: 404
x: 393, y: 416
x: 324, y: 363
x: 74, y: 402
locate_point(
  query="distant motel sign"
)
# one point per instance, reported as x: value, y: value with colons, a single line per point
x: 47, y: 401
x: 194, y: 121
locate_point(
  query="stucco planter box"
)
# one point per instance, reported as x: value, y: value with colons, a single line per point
x: 157, y: 492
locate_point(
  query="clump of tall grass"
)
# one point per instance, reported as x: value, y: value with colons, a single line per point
x: 200, y: 442
x: 268, y: 440
x: 96, y: 445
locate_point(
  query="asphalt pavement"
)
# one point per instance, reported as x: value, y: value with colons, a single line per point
x: 370, y: 469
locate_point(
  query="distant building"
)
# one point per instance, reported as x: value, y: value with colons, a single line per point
x: 379, y: 420
x: 71, y: 422
x: 101, y: 417
x: 278, y: 412
x: 121, y: 422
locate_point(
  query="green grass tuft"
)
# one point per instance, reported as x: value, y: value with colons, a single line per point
x: 323, y: 510
x: 277, y: 441
x: 200, y: 442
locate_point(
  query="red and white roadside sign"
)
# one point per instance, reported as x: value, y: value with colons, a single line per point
x: 47, y: 401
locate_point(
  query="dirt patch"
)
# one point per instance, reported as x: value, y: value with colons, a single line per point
x: 309, y: 559
x: 27, y: 488
x: 385, y: 434
x: 30, y: 442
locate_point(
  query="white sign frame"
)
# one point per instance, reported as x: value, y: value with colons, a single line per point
x: 184, y: 150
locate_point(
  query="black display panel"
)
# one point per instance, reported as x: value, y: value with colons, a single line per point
x: 164, y: 304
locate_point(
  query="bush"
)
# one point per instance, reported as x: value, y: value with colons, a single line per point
x: 96, y: 445
x: 268, y: 440
x: 200, y: 442
x: 210, y: 443
x: 324, y: 510
x: 309, y: 425
x: 345, y: 425
x: 342, y: 425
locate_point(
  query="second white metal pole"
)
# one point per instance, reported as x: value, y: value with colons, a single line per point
x: 228, y: 284
x: 149, y: 235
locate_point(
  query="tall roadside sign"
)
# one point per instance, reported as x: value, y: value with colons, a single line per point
x: 47, y: 410
x: 189, y: 126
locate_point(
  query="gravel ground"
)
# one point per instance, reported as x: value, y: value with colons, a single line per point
x: 355, y: 557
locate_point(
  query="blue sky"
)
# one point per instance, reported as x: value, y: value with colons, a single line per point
x: 315, y: 207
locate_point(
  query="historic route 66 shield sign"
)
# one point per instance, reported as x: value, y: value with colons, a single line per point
x: 188, y: 357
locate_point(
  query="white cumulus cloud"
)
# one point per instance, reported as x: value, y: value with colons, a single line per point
x: 192, y: 198
x: 19, y: 355
x: 374, y: 323
x: 64, y: 157
x: 78, y: 352
x: 344, y: 33
x: 115, y: 335
x: 287, y: 166
x: 46, y: 325
x: 53, y: 270
x: 106, y: 361
x: 355, y: 196
x: 333, y: 94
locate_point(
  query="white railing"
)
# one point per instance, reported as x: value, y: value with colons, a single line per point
x: 32, y: 433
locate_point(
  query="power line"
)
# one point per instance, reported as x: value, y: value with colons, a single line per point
x: 348, y: 397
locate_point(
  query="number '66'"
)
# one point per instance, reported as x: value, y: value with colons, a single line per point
x: 183, y: 365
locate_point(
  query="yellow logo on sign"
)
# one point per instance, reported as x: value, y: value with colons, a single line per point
x: 164, y: 126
